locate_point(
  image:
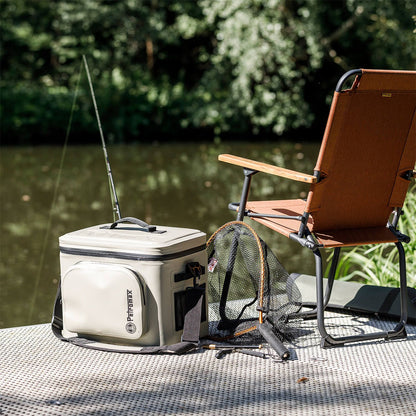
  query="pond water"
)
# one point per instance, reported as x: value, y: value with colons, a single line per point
x: 177, y: 184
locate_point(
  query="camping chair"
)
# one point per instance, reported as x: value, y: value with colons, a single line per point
x: 364, y: 168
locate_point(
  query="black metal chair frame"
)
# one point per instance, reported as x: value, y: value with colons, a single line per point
x: 304, y: 238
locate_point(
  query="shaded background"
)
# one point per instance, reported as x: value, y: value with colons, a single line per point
x: 175, y: 69
x: 177, y: 83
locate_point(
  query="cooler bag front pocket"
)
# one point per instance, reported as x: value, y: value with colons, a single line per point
x: 103, y: 300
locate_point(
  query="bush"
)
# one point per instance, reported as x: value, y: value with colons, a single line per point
x: 34, y: 114
x: 245, y: 67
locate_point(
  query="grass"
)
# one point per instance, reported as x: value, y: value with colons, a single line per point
x: 379, y: 264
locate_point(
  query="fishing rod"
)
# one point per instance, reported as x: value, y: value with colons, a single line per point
x: 113, y: 193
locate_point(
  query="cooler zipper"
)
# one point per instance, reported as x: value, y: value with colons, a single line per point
x: 130, y: 256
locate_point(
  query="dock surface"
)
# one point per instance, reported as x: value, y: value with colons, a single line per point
x: 41, y: 375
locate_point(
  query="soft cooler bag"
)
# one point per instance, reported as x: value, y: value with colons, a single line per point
x: 130, y: 284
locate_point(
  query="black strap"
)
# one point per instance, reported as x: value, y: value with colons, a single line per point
x: 225, y: 322
x: 190, y: 336
x: 57, y: 322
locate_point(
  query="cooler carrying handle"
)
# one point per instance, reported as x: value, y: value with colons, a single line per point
x: 145, y: 226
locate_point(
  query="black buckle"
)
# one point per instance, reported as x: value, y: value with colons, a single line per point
x: 192, y: 270
x: 195, y: 270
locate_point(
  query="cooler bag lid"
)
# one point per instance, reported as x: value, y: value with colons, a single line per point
x: 143, y: 243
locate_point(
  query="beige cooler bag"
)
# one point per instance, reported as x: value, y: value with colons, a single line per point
x: 130, y: 284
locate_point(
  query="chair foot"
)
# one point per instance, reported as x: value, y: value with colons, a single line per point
x: 399, y: 332
x: 329, y: 342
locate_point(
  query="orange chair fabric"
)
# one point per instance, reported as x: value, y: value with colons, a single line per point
x: 368, y: 145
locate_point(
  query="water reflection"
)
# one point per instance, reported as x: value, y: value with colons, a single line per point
x: 171, y: 184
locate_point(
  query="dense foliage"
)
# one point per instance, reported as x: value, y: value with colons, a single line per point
x: 174, y: 67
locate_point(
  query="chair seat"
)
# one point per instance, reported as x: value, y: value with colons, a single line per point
x: 328, y: 238
x: 294, y: 207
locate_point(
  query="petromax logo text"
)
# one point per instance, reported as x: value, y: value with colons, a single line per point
x: 130, y: 326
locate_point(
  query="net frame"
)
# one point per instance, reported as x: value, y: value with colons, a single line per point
x: 264, y: 272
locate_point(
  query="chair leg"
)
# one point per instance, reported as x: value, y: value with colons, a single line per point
x: 312, y: 314
x: 248, y: 173
x: 399, y: 331
x: 403, y: 290
x: 331, y: 277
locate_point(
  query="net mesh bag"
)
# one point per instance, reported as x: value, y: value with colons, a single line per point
x: 247, y: 286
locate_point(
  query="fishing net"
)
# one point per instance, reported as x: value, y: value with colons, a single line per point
x: 249, y: 291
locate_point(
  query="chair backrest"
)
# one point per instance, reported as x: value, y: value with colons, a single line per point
x: 368, y: 145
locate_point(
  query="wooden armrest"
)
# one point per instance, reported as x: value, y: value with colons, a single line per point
x: 265, y: 167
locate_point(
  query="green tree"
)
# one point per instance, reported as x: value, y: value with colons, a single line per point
x: 164, y: 66
x: 275, y: 61
x: 139, y: 59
